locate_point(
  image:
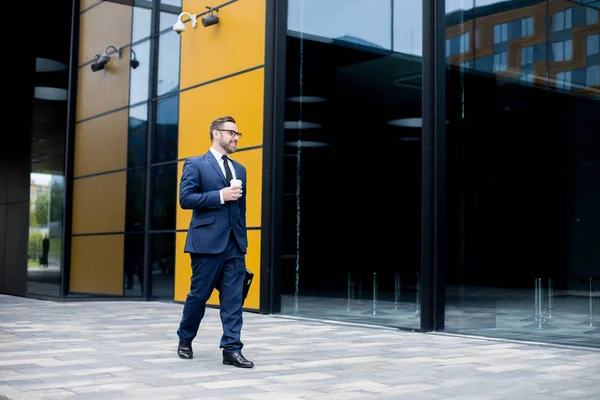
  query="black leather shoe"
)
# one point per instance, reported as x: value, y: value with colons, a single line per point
x: 237, y: 360
x: 184, y: 350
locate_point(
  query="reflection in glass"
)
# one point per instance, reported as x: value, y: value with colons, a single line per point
x: 133, y: 264
x: 351, y: 23
x: 135, y: 205
x: 45, y: 234
x: 163, y: 264
x: 168, y: 63
x: 166, y: 136
x: 164, y: 198
x: 137, y: 136
x: 139, y: 75
x: 408, y: 29
x: 167, y: 20
x: 141, y: 24
x: 339, y: 91
x: 176, y: 3
x: 523, y: 145
x: 49, y: 119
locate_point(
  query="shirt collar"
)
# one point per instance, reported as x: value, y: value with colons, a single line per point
x: 217, y: 155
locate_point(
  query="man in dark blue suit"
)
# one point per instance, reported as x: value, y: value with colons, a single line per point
x: 216, y: 240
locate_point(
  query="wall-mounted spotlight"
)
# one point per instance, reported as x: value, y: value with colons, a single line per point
x: 179, y: 26
x: 210, y: 19
x: 102, y: 60
x: 134, y: 62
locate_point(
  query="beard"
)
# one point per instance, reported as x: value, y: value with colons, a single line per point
x: 227, y: 145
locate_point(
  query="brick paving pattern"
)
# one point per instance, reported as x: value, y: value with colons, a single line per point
x: 127, y: 350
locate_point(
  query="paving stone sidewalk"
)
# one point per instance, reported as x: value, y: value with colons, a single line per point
x: 126, y: 350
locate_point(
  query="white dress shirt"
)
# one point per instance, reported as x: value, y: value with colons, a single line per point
x: 219, y: 158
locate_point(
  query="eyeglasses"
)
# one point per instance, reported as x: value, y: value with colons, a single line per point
x: 231, y: 132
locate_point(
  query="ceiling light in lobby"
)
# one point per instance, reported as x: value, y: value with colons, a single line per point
x: 306, y: 143
x: 408, y: 122
x: 47, y: 65
x: 300, y: 125
x: 50, y: 93
x: 307, y: 99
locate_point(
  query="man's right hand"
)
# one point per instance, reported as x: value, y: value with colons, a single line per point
x: 231, y: 193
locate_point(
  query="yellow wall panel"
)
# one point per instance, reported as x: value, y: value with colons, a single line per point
x: 105, y: 90
x: 97, y: 264
x: 106, y: 24
x: 236, y: 43
x: 101, y: 144
x: 253, y: 264
x: 85, y: 4
x: 252, y: 160
x: 240, y: 96
x: 99, y: 203
x: 183, y: 271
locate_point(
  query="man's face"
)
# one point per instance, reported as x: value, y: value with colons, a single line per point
x: 227, y: 137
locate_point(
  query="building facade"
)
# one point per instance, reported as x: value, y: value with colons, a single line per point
x: 427, y: 165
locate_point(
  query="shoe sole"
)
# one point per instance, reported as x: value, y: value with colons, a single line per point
x: 183, y: 357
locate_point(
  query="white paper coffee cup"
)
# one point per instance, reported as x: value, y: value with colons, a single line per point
x: 235, y: 182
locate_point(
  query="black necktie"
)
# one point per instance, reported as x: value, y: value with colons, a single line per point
x: 228, y: 175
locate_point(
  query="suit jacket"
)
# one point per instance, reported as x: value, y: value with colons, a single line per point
x: 211, y: 222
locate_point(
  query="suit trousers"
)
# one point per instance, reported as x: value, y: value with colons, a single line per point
x: 225, y: 272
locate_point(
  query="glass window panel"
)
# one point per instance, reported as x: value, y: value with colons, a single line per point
x: 527, y: 55
x: 164, y: 198
x: 140, y: 75
x: 168, y: 63
x: 591, y: 16
x: 137, y: 136
x: 47, y: 186
x: 165, y: 141
x: 167, y: 20
x: 558, y: 21
x: 45, y: 231
x: 162, y: 262
x: 141, y: 23
x: 593, y: 75
x: 408, y: 27
x: 337, y: 20
x: 592, y: 44
x: 523, y: 224
x: 135, y: 205
x: 568, y: 50
x: 176, y: 3
x: 464, y: 42
x: 133, y: 265
x: 328, y: 87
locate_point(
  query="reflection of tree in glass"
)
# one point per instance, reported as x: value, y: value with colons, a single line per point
x: 41, y: 209
x: 32, y: 219
x: 56, y: 200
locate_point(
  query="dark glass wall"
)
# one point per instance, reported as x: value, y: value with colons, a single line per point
x: 152, y: 153
x: 49, y: 124
x: 352, y: 163
x: 523, y: 151
x: 163, y: 168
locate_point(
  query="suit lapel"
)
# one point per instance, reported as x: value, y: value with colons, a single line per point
x: 213, y: 161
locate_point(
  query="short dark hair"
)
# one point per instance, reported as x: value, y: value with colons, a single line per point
x: 218, y: 123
